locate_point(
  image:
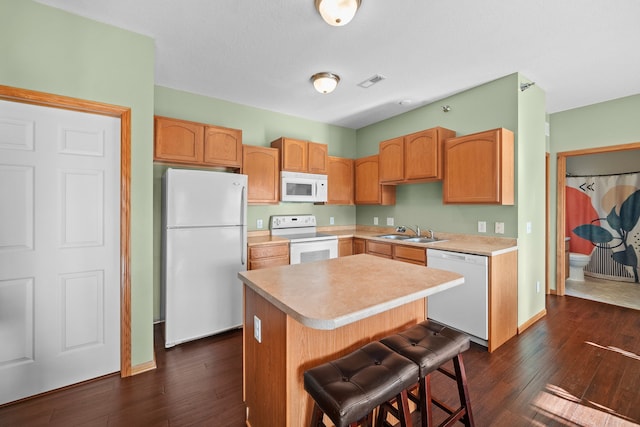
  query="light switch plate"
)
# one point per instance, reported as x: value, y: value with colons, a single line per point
x: 375, y: 220
x: 389, y: 220
x: 528, y: 227
x: 331, y: 220
x: 499, y: 227
x: 257, y: 328
x: 482, y: 226
x: 259, y: 223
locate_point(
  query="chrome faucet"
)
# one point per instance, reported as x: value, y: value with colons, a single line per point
x: 432, y: 235
x: 403, y: 228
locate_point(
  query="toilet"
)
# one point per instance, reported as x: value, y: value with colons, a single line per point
x: 577, y: 263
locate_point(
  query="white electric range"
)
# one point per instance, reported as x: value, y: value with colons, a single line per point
x: 305, y: 243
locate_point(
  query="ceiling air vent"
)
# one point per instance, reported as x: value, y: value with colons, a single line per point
x: 371, y: 81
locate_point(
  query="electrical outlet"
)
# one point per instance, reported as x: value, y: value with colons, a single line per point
x: 499, y: 227
x: 389, y: 221
x: 528, y: 227
x: 257, y: 328
x: 331, y: 220
x: 375, y: 220
x: 259, y: 224
x: 482, y: 226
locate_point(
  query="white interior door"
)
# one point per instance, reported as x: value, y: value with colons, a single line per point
x: 59, y: 248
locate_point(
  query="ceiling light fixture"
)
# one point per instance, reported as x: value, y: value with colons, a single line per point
x: 337, y: 12
x: 325, y: 82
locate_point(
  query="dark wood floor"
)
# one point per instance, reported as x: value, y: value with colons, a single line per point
x: 578, y: 366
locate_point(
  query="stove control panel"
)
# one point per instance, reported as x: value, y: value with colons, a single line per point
x: 292, y: 221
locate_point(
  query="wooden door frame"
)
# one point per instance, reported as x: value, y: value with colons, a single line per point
x: 26, y: 96
x: 562, y: 202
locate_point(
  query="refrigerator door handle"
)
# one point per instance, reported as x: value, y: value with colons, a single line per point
x: 243, y: 221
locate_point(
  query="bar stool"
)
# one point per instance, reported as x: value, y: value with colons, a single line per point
x: 430, y: 346
x: 348, y: 389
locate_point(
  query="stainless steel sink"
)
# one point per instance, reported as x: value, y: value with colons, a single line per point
x: 394, y: 236
x: 422, y: 240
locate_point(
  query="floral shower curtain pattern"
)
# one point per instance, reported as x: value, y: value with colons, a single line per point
x: 602, y: 219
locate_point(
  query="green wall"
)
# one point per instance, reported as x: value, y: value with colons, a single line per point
x: 499, y: 103
x: 605, y: 124
x: 530, y: 187
x: 259, y: 127
x: 48, y: 50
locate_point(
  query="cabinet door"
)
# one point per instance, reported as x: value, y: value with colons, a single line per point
x: 410, y: 254
x: 423, y: 155
x: 392, y: 160
x: 479, y: 168
x: 359, y: 246
x: 345, y: 247
x: 178, y: 141
x: 384, y: 250
x: 340, y: 181
x: 223, y: 146
x: 268, y: 256
x: 317, y: 161
x: 368, y: 189
x: 293, y: 154
x: 261, y: 165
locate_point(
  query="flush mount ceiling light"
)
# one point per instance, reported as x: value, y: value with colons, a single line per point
x: 337, y: 12
x: 325, y: 82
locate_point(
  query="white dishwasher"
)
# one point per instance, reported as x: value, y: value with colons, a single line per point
x: 463, y: 307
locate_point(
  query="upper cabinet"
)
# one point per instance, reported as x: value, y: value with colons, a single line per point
x: 302, y: 156
x: 479, y: 168
x: 197, y: 144
x: 369, y: 191
x: 340, y: 181
x: 417, y: 157
x: 262, y: 167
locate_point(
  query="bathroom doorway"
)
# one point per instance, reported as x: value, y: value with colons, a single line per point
x: 601, y: 155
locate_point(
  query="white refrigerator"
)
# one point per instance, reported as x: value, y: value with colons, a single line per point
x: 204, y: 245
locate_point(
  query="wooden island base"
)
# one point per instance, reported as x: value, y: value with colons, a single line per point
x: 273, y: 369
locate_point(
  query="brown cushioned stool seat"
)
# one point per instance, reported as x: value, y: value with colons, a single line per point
x: 431, y: 345
x: 348, y: 389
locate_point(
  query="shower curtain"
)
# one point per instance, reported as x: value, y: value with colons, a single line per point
x: 602, y: 219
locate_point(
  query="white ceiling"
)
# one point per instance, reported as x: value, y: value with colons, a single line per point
x: 262, y: 53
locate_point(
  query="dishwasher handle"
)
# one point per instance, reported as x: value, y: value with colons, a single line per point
x: 456, y: 256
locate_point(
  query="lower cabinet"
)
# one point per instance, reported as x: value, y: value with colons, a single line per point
x: 359, y: 246
x: 345, y: 246
x: 384, y: 250
x: 265, y: 256
x: 404, y: 253
x: 411, y: 254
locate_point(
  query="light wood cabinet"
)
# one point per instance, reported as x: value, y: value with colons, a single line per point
x: 265, y: 256
x: 317, y: 158
x: 345, y: 246
x: 302, y: 156
x: 411, y: 254
x: 261, y: 165
x: 340, y: 181
x: 503, y: 298
x: 359, y: 246
x: 417, y: 157
x: 479, y: 168
x: 384, y: 250
x: 197, y: 144
x: 368, y: 190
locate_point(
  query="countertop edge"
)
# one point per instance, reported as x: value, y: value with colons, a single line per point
x: 331, y: 324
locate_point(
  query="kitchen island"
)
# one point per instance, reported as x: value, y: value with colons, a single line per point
x: 299, y: 316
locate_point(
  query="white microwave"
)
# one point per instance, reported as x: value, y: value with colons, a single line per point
x: 303, y: 187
